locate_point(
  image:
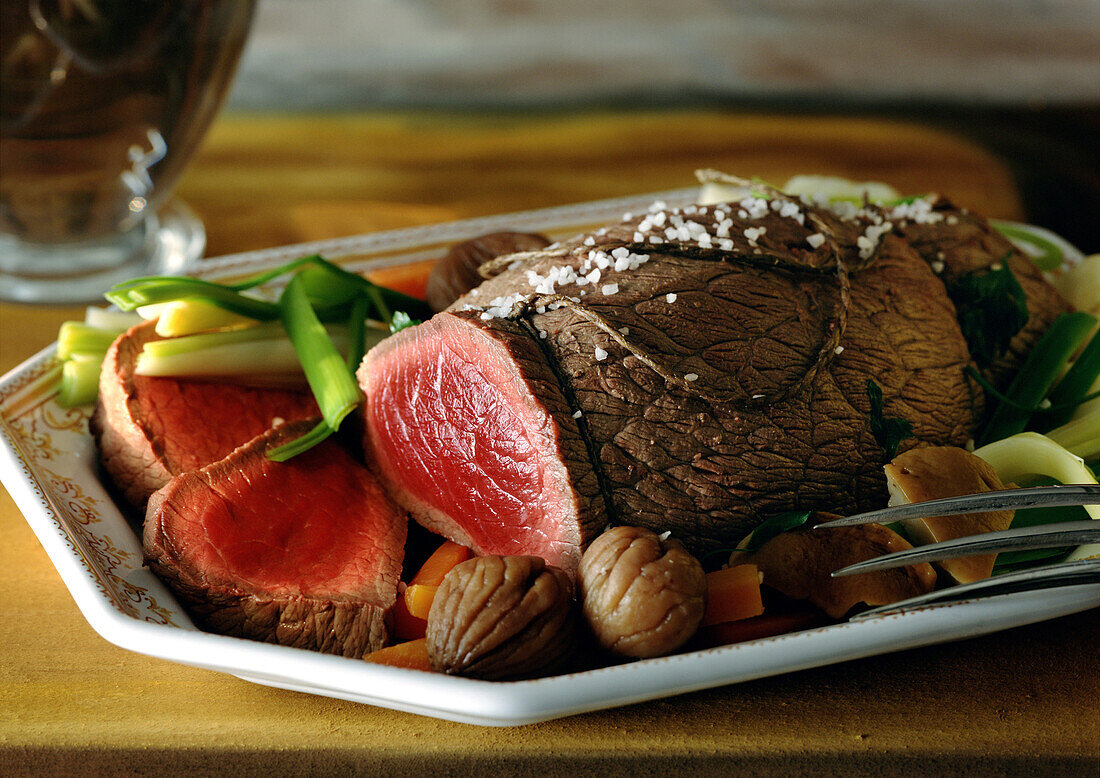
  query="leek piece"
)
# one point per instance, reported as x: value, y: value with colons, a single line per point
x: 1047, y: 256
x: 1089, y: 406
x: 271, y: 330
x: 274, y: 356
x: 1030, y: 454
x: 329, y: 378
x: 1080, y: 435
x: 104, y: 319
x: 75, y: 337
x: 1039, y: 372
x: 186, y: 317
x: 79, y: 381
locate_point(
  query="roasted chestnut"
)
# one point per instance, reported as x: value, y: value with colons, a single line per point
x: 642, y: 594
x: 501, y: 617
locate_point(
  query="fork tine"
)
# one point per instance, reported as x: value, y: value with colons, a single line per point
x: 984, y: 502
x: 1068, y: 533
x: 1083, y: 571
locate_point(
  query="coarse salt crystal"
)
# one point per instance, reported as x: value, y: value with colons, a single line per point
x: 691, y: 377
x: 638, y: 237
x: 600, y: 354
x: 670, y: 297
x: 937, y: 266
x: 817, y: 240
x: 609, y: 288
x: 838, y: 350
x: 624, y: 331
x: 576, y: 414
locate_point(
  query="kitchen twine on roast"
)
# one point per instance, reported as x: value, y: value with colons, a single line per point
x: 834, y: 326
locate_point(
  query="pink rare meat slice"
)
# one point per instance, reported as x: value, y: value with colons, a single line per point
x: 463, y: 443
x: 150, y: 429
x: 305, y: 553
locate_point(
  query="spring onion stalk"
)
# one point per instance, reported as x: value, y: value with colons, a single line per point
x: 1047, y: 256
x: 1075, y: 385
x: 1080, y: 436
x: 76, y: 337
x: 266, y: 331
x: 187, y: 317
x: 263, y: 360
x: 1038, y: 374
x: 329, y: 378
x: 113, y: 321
x: 249, y: 360
x: 79, y: 381
x: 1089, y: 406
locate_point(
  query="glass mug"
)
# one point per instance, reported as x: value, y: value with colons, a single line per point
x: 102, y: 105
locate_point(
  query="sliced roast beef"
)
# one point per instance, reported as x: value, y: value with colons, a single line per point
x: 693, y: 371
x: 150, y: 429
x: 303, y: 553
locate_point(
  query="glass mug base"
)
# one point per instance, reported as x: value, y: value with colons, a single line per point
x: 167, y: 243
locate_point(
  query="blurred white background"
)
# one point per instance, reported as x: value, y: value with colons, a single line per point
x: 321, y: 54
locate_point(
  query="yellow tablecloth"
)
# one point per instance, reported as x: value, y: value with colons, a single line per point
x: 1026, y: 701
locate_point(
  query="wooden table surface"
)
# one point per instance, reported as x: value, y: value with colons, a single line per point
x: 1026, y: 701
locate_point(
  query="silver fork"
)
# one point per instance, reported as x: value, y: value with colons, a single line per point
x: 1072, y: 533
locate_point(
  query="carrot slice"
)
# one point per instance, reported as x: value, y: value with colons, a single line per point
x: 412, y: 654
x: 757, y: 627
x: 411, y: 279
x: 410, y: 612
x: 440, y: 563
x: 733, y: 594
x: 418, y: 599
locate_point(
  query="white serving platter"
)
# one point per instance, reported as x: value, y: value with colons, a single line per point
x: 48, y: 465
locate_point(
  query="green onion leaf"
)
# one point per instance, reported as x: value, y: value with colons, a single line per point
x: 992, y: 308
x: 776, y: 525
x: 162, y: 289
x: 1037, y: 375
x: 888, y: 431
x: 1073, y: 389
x: 402, y: 320
x: 300, y: 445
x: 357, y: 332
x: 329, y: 377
